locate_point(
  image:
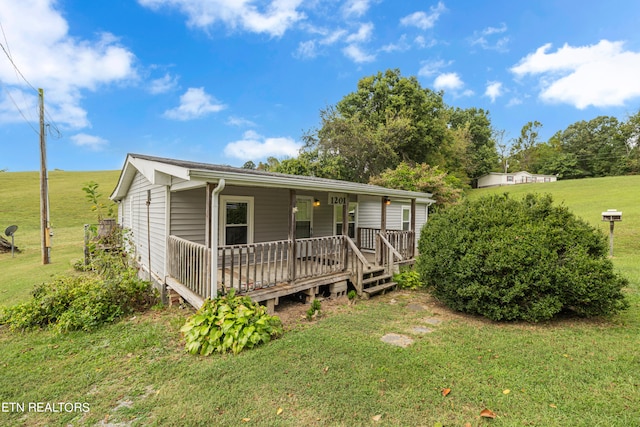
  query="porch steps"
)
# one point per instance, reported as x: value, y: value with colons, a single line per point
x: 380, y: 288
x: 376, y: 281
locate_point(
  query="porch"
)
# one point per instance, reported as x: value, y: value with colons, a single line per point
x: 268, y: 271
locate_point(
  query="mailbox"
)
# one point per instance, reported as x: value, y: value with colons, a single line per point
x: 612, y: 215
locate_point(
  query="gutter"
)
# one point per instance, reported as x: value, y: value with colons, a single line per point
x: 215, y: 203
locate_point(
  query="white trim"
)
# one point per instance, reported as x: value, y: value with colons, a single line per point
x: 310, y: 199
x: 223, y: 216
x: 338, y: 208
x: 405, y: 208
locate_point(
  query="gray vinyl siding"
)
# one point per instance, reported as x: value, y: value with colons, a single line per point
x: 134, y: 215
x: 188, y: 214
x: 369, y: 212
x: 271, y: 212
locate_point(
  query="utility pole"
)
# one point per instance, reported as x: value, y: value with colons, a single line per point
x: 44, y: 187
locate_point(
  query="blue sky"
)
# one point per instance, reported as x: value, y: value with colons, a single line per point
x: 226, y: 81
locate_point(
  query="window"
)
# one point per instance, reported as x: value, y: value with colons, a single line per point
x: 406, y: 218
x: 236, y: 220
x: 304, y: 217
x: 509, y: 178
x: 353, y: 208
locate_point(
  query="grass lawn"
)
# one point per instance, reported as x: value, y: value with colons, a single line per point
x: 335, y: 371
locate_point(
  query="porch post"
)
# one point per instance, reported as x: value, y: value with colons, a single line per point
x: 207, y: 224
x: 345, y: 229
x: 292, y: 235
x: 383, y: 230
x: 412, y: 227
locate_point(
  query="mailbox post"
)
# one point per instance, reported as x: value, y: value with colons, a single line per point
x: 612, y: 216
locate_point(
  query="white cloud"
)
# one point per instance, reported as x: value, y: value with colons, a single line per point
x: 306, y: 50
x: 250, y: 15
x: 239, y: 121
x: 494, y: 90
x: 482, y: 38
x: 89, y: 141
x: 598, y: 75
x: 195, y: 103
x: 356, y: 54
x: 401, y: 46
x: 50, y: 58
x: 431, y: 68
x: 363, y: 35
x: 424, y: 20
x: 355, y: 8
x: 451, y: 82
x: 254, y: 146
x: 163, y: 84
x: 448, y: 81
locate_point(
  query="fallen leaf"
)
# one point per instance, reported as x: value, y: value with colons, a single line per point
x: 446, y: 391
x: 487, y: 413
x: 507, y: 391
x: 467, y: 424
x: 552, y: 405
x: 246, y: 420
x: 377, y: 418
x: 279, y: 411
x: 326, y: 369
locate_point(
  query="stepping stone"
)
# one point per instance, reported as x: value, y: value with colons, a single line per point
x: 397, y: 340
x: 433, y: 321
x: 414, y: 306
x: 421, y: 330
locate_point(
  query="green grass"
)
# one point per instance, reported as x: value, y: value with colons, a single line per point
x: 336, y: 371
x: 20, y: 205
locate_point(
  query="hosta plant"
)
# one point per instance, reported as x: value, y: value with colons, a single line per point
x: 229, y: 323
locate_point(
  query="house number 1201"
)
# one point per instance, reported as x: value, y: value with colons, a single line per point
x: 337, y: 198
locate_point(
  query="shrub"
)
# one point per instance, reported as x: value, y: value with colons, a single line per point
x: 408, y: 279
x: 81, y: 302
x: 229, y: 323
x: 510, y: 259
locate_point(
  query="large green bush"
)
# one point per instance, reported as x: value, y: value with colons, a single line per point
x: 525, y: 259
x: 79, y: 302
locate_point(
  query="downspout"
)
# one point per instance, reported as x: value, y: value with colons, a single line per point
x: 215, y: 203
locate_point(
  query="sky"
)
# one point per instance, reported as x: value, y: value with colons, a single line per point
x: 227, y: 81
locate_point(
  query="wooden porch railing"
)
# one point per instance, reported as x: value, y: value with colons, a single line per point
x: 402, y: 240
x: 262, y: 265
x: 189, y: 264
x: 253, y: 266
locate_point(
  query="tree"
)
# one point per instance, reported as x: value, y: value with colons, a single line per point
x: 599, y: 146
x: 424, y: 178
x: 249, y: 165
x: 524, y: 147
x: 480, y: 153
x: 387, y: 120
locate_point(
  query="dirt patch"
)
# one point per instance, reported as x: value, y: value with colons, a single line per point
x: 293, y: 312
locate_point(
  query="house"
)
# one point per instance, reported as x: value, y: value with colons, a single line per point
x: 494, y: 179
x: 201, y: 229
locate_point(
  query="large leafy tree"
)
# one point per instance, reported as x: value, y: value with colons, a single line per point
x: 422, y: 177
x: 599, y: 146
x: 480, y: 155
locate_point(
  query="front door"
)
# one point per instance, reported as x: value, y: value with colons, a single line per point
x: 304, y: 217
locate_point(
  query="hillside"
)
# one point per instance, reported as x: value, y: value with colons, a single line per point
x: 69, y: 211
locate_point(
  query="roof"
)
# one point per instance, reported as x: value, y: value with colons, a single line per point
x: 183, y: 174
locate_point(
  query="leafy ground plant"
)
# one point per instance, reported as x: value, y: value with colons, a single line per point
x: 229, y: 323
x: 408, y: 279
